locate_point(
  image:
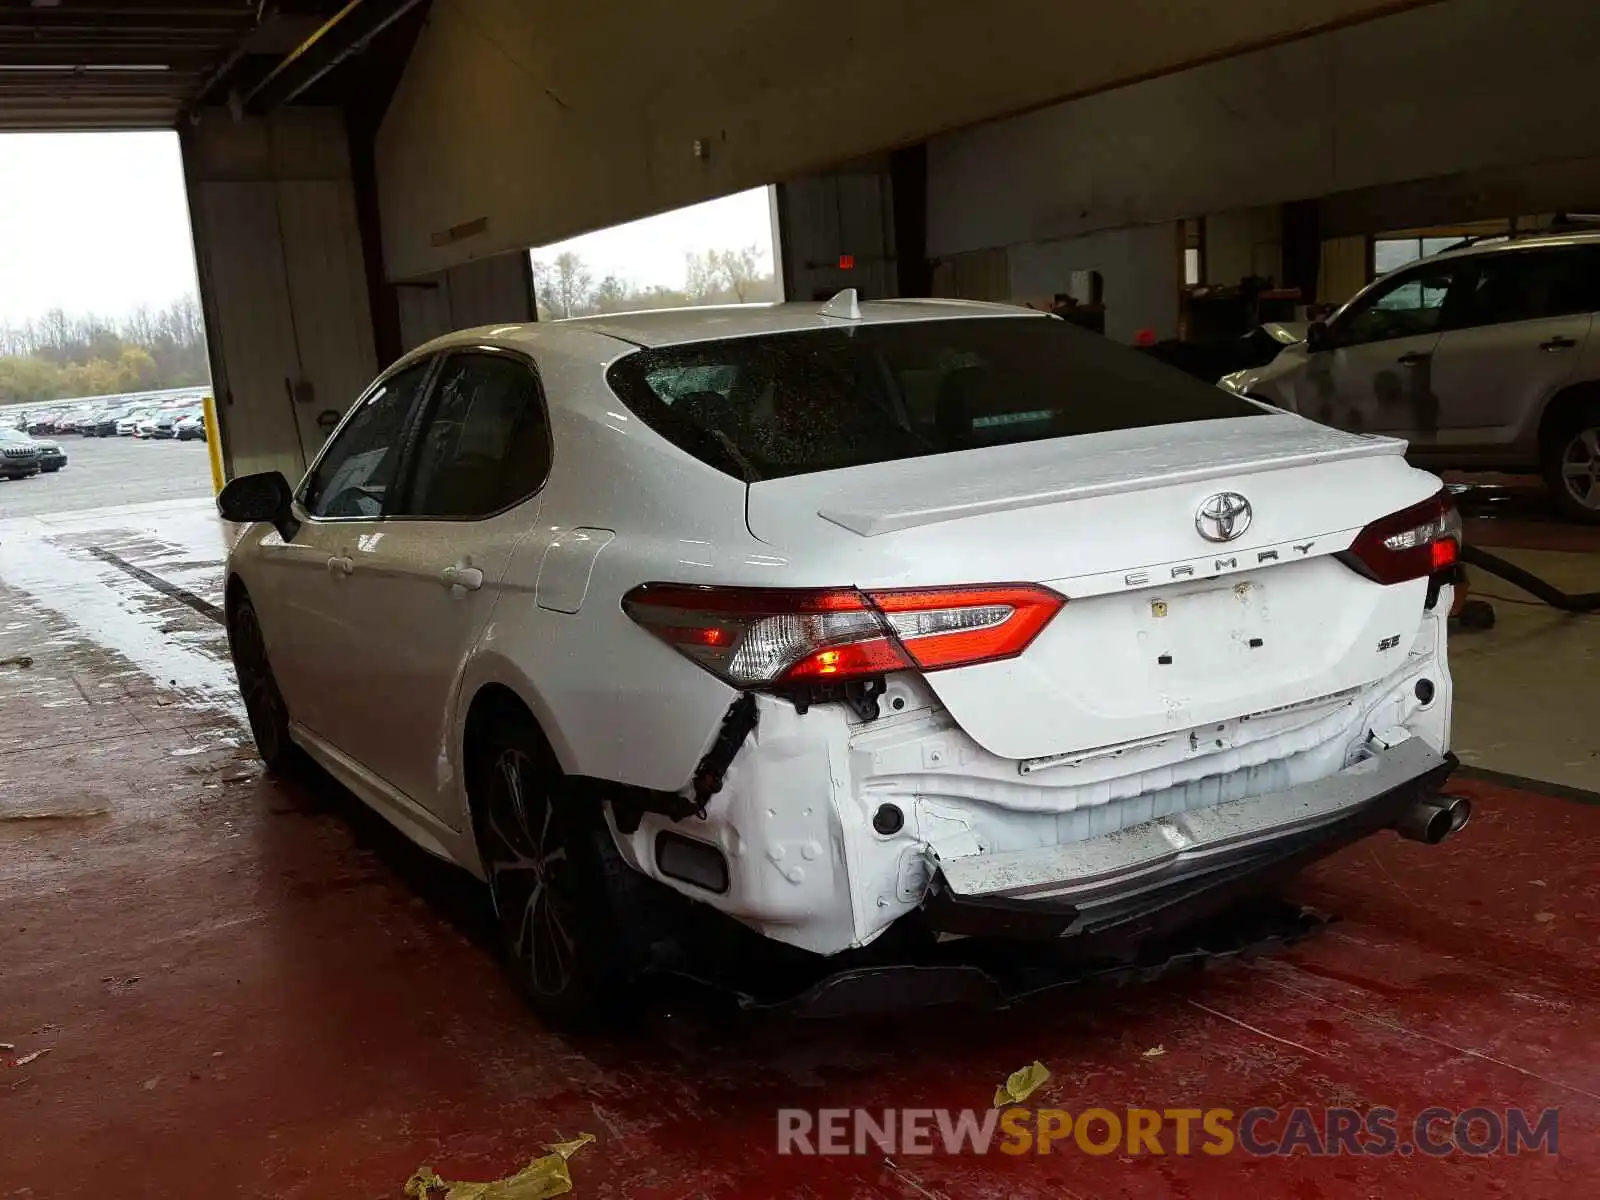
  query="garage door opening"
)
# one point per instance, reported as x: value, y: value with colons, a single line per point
x: 719, y: 252
x: 101, y: 331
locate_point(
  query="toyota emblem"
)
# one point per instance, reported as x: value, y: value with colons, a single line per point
x: 1222, y: 517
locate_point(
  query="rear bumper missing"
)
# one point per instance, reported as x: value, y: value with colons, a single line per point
x: 1167, y: 873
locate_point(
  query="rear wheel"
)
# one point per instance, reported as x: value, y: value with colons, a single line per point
x: 263, y: 702
x: 574, y: 917
x: 1572, y: 463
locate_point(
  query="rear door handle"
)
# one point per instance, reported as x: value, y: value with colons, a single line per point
x: 469, y: 578
x: 340, y: 564
x: 1558, y: 343
x: 1412, y: 358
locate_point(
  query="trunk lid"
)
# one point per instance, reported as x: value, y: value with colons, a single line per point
x: 1164, y: 630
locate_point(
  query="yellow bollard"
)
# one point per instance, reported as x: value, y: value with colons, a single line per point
x: 214, y: 445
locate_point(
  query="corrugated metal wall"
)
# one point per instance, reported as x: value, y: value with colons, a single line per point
x: 487, y: 291
x: 249, y: 327
x: 976, y: 275
x: 282, y: 281
x: 845, y: 212
x: 328, y: 297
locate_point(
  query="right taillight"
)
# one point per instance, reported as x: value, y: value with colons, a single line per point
x: 1413, y: 543
x: 777, y: 637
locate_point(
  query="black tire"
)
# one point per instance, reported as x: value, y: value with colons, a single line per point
x: 1572, y: 462
x: 575, y: 920
x: 263, y: 702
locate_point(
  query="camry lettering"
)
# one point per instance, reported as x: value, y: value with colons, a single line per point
x: 1231, y: 563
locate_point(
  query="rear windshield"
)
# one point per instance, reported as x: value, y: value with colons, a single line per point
x: 792, y: 403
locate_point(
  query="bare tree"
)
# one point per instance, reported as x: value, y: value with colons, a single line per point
x: 570, y: 284
x: 741, y: 271
x: 139, y: 326
x: 63, y: 354
x: 611, y: 295
x: 703, y: 276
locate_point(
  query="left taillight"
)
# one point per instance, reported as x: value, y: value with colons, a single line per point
x: 1411, y: 544
x: 770, y: 637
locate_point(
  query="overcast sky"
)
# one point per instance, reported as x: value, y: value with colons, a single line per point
x: 652, y: 251
x: 92, y: 222
x: 98, y: 222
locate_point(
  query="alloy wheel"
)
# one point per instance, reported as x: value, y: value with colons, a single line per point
x: 1580, y: 467
x: 530, y: 874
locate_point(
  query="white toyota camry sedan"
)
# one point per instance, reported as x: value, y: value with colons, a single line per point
x: 837, y: 617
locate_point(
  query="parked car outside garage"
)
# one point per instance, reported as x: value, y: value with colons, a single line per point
x: 190, y: 427
x: 1480, y: 358
x: 104, y: 422
x: 19, y: 455
x: 51, y: 457
x: 835, y: 619
x: 166, y: 422
x: 43, y: 421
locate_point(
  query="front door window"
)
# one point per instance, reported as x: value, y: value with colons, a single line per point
x: 1410, y: 305
x: 353, y: 477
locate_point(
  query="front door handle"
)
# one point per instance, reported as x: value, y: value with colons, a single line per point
x: 1558, y: 343
x: 341, y: 564
x: 1412, y: 358
x: 468, y: 578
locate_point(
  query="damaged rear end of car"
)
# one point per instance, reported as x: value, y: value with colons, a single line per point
x: 1031, y: 637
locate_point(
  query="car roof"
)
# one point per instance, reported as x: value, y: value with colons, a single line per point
x: 671, y: 326
x: 1510, y: 244
x: 677, y: 326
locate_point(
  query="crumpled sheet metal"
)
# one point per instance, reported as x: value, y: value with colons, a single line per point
x: 545, y: 1176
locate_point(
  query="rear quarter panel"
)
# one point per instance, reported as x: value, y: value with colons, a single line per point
x: 615, y: 702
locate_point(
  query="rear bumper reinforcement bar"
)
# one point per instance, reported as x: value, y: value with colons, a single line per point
x: 1155, y: 877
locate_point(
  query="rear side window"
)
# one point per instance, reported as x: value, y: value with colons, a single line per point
x: 485, y: 445
x: 793, y: 403
x: 1528, y: 285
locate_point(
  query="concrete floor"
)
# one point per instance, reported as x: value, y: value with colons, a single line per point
x: 1527, y: 700
x: 255, y: 989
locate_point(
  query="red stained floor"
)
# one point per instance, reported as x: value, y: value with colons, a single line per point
x: 256, y: 990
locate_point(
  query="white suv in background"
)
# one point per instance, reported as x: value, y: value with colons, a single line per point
x: 1480, y: 358
x: 912, y: 611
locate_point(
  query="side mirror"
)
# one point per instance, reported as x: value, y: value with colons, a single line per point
x: 1317, y: 337
x: 261, y: 497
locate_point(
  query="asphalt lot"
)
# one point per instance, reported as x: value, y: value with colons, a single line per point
x: 102, y: 472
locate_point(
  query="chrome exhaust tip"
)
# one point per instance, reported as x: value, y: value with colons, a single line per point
x: 1431, y: 821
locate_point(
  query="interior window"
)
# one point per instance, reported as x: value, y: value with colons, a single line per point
x: 1527, y: 286
x: 1409, y: 306
x: 355, y: 473
x: 485, y: 445
x: 1390, y: 254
